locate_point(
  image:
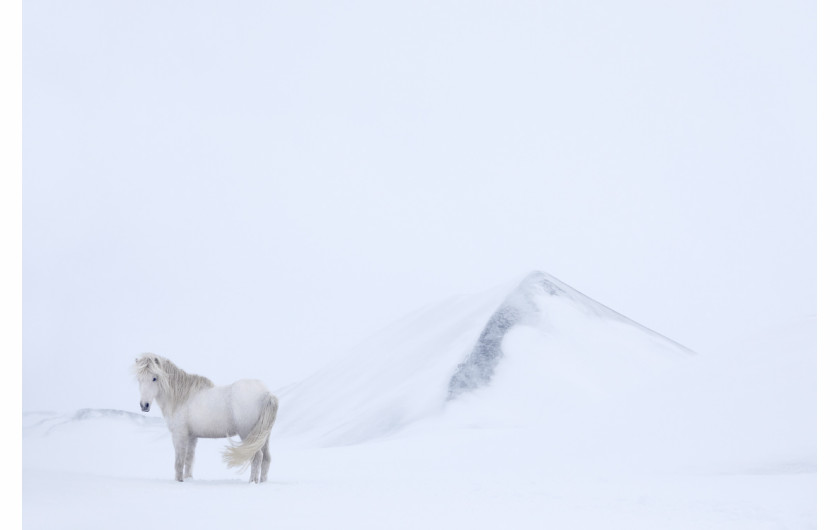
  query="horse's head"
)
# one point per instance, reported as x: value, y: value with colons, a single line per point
x: 149, y: 372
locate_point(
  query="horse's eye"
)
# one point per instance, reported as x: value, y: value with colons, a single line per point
x: 154, y: 379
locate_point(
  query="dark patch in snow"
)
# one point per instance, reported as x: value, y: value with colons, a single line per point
x: 478, y: 369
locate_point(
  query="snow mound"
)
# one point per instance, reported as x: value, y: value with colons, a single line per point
x: 105, y: 442
x: 539, y: 334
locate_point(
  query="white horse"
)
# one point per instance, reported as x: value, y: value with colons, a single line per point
x: 195, y: 408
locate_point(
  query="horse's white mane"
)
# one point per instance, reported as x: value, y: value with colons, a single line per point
x: 176, y: 384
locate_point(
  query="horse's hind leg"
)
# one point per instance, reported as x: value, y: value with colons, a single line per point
x: 266, y: 461
x: 256, y: 462
x: 188, y: 465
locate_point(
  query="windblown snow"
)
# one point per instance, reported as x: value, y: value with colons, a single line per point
x: 530, y: 406
x: 567, y: 342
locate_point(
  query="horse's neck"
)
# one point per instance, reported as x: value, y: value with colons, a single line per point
x: 166, y: 407
x: 182, y: 387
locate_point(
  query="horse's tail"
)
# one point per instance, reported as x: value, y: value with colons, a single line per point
x: 240, y: 455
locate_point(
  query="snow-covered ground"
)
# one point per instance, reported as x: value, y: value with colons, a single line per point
x: 565, y: 415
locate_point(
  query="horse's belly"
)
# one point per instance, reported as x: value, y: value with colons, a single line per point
x: 205, y: 431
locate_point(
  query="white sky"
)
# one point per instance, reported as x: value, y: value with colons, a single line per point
x: 249, y: 188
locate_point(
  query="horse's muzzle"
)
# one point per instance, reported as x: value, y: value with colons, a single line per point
x: 145, y: 407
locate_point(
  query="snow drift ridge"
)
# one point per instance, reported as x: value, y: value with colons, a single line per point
x: 520, y: 308
x: 412, y: 369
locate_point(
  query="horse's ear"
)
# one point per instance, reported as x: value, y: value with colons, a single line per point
x: 157, y: 361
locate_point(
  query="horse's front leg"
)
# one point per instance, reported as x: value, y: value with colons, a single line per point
x: 188, y: 465
x: 181, y: 443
